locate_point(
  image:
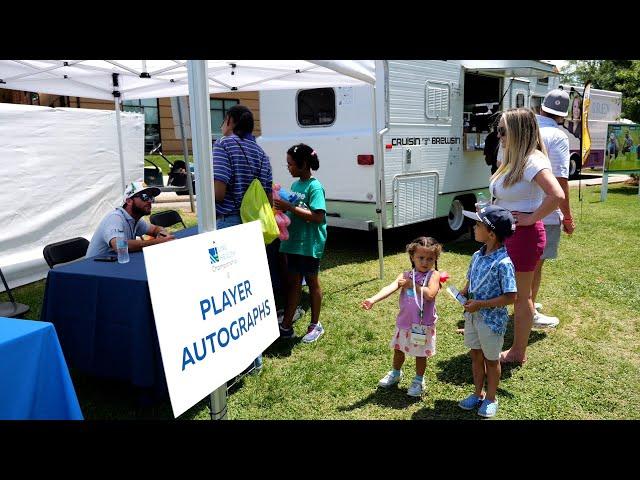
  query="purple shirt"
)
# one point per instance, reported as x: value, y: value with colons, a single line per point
x: 409, y: 311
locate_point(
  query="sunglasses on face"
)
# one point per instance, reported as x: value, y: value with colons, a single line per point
x: 502, y: 131
x: 145, y: 197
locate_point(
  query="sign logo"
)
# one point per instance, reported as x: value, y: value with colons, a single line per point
x: 221, y: 257
x: 213, y: 255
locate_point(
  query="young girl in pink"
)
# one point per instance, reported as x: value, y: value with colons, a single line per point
x: 415, y: 333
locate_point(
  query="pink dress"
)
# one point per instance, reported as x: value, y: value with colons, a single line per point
x: 409, y: 314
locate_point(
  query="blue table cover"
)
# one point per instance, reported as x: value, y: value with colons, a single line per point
x: 103, y: 315
x: 34, y: 379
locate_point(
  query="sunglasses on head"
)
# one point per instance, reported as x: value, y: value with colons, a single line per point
x: 502, y: 131
x: 145, y: 197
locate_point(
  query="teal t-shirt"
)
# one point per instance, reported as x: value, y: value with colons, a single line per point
x: 307, y: 238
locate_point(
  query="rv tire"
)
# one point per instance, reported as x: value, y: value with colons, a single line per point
x: 575, y: 166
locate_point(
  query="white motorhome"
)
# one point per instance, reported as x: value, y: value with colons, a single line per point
x: 606, y: 108
x: 402, y: 152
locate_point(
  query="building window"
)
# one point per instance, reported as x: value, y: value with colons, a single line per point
x: 520, y: 100
x: 219, y: 108
x: 543, y: 81
x: 316, y: 107
x: 149, y: 107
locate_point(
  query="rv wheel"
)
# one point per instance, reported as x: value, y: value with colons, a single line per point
x: 575, y: 166
x: 455, y: 224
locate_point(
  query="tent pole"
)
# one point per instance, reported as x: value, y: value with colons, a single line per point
x: 201, y: 145
x: 185, y: 149
x: 378, y: 158
x: 116, y: 99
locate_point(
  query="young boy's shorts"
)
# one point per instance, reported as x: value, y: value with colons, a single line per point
x: 478, y: 336
x: 302, y: 264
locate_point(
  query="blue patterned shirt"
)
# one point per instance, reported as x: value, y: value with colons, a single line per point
x: 489, y: 277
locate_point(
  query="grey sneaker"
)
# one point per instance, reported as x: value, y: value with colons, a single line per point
x: 416, y: 388
x: 545, y: 321
x: 389, y: 380
x: 313, y: 333
x: 296, y: 315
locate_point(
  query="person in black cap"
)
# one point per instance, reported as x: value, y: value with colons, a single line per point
x: 490, y: 287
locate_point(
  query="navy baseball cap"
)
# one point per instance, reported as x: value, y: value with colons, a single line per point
x: 496, y: 218
x: 556, y: 102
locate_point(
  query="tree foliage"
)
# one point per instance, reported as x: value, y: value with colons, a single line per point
x: 617, y: 75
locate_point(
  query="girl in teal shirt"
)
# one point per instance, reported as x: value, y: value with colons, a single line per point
x: 307, y: 238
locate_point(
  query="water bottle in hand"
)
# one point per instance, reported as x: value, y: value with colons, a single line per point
x: 122, y: 247
x: 482, y: 201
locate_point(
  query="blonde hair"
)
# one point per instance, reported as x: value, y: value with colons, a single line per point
x: 523, y: 139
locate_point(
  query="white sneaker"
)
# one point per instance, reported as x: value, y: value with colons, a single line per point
x: 416, y: 388
x: 390, y: 380
x: 296, y: 315
x: 545, y: 321
x: 537, y: 306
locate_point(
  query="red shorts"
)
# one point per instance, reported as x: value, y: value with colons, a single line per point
x: 526, y: 245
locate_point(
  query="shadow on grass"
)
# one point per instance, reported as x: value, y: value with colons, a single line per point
x: 445, y: 410
x: 457, y: 371
x: 393, y: 397
x: 282, y: 347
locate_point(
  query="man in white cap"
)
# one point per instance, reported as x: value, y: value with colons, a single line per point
x: 136, y: 204
x: 553, y: 111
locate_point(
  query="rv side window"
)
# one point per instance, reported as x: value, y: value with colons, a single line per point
x: 520, y: 100
x: 543, y: 81
x: 316, y: 107
x: 436, y: 100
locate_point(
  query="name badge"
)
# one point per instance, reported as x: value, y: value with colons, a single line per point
x: 411, y: 292
x: 418, y: 334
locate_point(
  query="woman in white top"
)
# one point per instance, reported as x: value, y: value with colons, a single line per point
x: 524, y: 185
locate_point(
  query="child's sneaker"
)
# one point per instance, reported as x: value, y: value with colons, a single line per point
x: 313, y: 333
x: 389, y: 380
x: 471, y: 402
x: 488, y: 408
x: 537, y: 306
x: 416, y: 388
x: 286, y: 332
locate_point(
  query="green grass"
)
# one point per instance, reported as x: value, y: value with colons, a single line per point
x: 162, y: 163
x: 586, y: 369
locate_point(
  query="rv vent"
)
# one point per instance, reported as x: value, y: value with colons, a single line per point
x: 414, y: 197
x: 437, y: 104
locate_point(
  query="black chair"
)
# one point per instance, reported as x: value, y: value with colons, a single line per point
x: 166, y: 219
x: 11, y: 309
x: 65, y: 251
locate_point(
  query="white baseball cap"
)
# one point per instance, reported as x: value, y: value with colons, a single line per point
x: 138, y: 186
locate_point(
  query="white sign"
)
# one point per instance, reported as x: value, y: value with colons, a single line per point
x: 186, y: 120
x: 213, y: 330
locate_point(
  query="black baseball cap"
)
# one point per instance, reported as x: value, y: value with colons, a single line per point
x: 496, y: 218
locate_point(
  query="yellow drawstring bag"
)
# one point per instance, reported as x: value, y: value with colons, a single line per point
x: 255, y: 206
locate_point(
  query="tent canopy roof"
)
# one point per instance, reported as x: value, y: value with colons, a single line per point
x: 139, y: 79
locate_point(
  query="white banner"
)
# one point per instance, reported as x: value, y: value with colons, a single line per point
x: 60, y: 175
x: 225, y: 320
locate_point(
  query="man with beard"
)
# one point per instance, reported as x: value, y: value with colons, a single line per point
x: 137, y: 203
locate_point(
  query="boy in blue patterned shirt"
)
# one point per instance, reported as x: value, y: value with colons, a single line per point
x: 490, y: 287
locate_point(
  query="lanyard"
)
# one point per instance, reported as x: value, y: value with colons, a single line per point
x: 415, y: 297
x: 132, y: 230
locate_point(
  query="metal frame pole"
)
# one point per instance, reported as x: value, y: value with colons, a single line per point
x: 185, y: 149
x: 201, y: 144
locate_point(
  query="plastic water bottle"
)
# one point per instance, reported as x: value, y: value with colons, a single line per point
x: 122, y: 247
x: 482, y: 201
